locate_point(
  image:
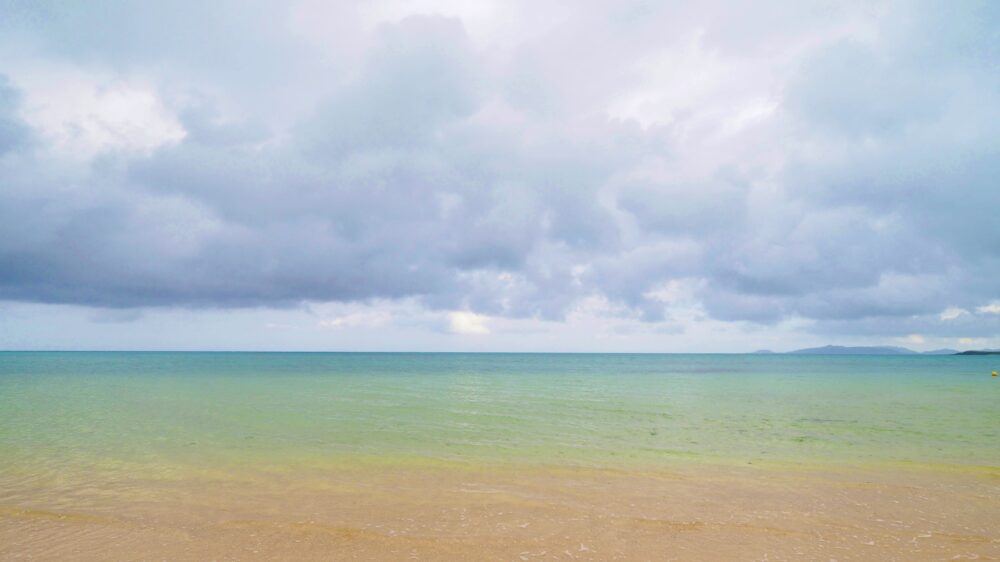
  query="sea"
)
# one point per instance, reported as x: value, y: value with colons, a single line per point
x: 174, y: 414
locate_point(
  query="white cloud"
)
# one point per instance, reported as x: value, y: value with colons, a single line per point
x: 85, y: 113
x: 677, y: 291
x: 467, y: 323
x: 992, y: 308
x: 364, y: 319
x: 953, y: 312
x: 977, y: 342
x: 711, y: 92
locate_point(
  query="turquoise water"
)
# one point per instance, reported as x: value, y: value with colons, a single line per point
x: 130, y: 411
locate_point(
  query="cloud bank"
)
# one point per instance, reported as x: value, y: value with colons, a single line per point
x: 833, y: 166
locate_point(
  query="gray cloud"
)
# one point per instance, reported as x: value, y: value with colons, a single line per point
x: 13, y: 132
x: 855, y: 187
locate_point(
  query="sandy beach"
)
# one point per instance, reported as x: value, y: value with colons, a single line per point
x: 528, y: 513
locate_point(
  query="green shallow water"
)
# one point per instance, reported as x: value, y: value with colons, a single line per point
x: 211, y: 411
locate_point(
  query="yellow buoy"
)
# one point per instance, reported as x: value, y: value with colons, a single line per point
x: 994, y: 373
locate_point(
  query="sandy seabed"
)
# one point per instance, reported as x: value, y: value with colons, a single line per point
x: 405, y: 512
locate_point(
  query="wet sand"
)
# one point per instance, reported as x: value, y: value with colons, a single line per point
x: 463, y: 512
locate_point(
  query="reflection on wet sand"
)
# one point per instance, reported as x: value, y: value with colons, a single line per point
x: 411, y: 512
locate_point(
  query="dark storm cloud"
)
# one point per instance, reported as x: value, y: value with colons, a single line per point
x: 420, y: 162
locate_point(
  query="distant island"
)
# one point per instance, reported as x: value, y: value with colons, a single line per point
x: 861, y: 350
x: 875, y: 350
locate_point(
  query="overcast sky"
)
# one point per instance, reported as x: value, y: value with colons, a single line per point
x: 519, y: 176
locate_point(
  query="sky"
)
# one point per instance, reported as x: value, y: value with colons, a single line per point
x: 442, y: 175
